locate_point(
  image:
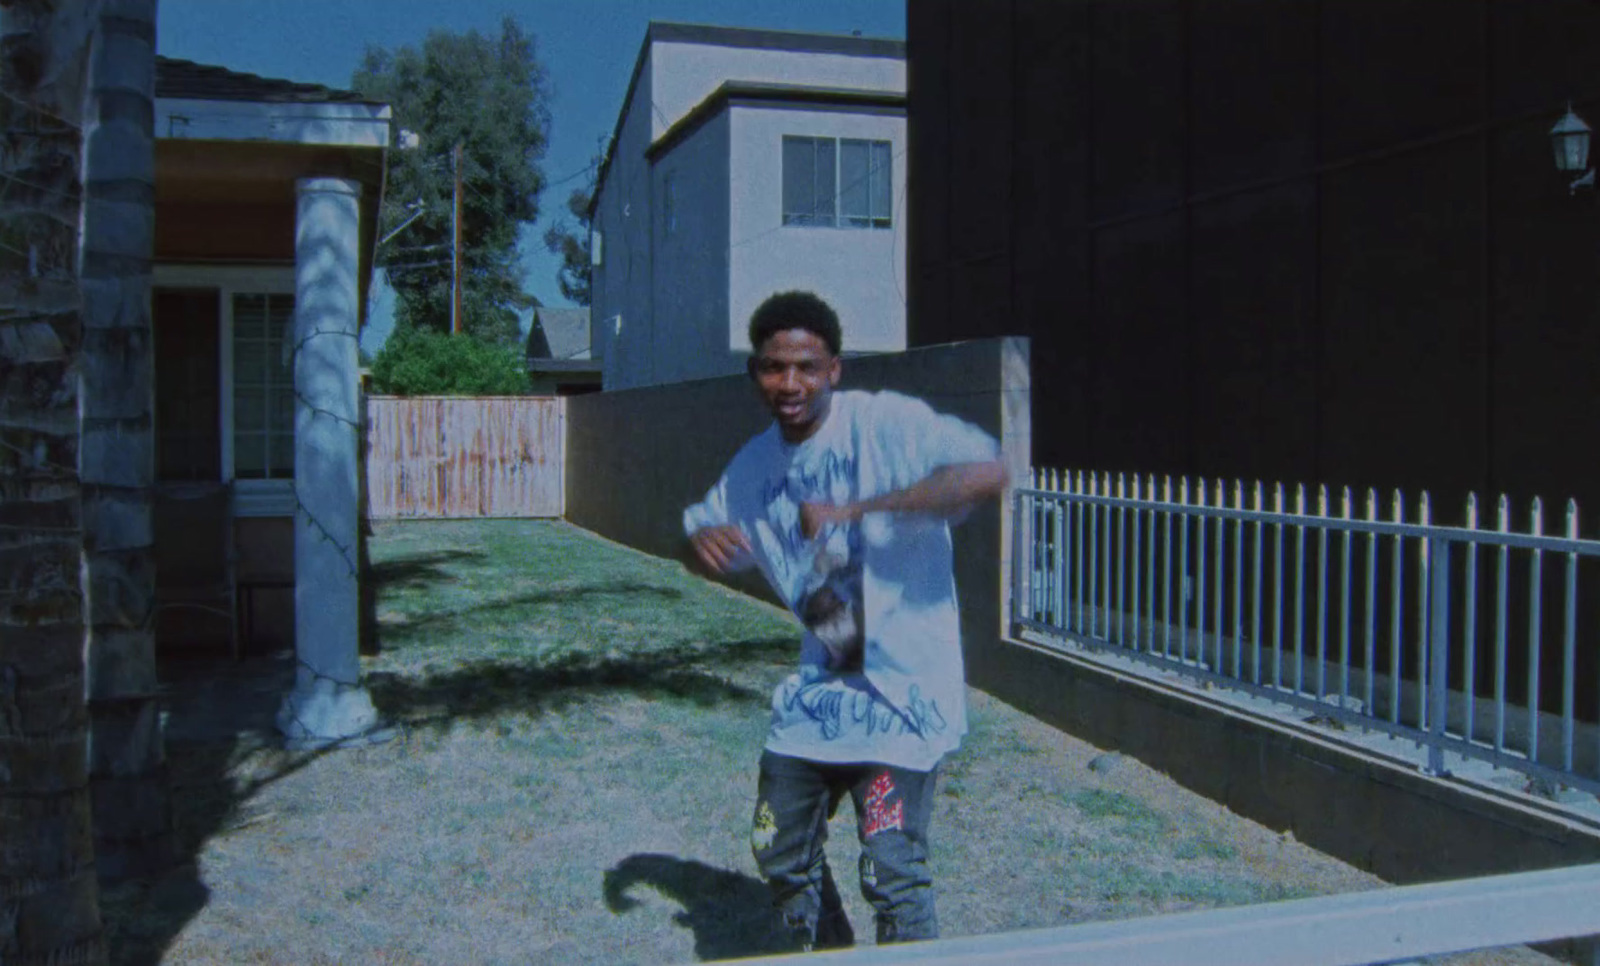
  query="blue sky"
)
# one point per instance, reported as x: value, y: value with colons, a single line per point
x: 587, y: 47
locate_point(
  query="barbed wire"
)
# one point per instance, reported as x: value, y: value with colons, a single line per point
x: 288, y: 363
x: 324, y: 676
x: 347, y: 553
x: 69, y: 192
x: 33, y: 458
x: 34, y: 108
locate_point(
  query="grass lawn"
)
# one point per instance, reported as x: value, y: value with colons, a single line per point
x: 573, y: 781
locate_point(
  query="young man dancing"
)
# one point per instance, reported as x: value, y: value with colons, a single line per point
x: 844, y: 503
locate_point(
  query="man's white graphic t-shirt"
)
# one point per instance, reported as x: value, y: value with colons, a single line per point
x: 880, y: 677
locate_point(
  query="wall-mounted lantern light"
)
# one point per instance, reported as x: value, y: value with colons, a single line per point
x: 1570, y: 139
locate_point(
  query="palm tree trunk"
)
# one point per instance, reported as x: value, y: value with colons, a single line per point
x: 127, y: 769
x: 48, y: 893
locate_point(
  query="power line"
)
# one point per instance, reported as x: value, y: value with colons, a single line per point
x: 420, y: 248
x: 554, y: 184
x: 411, y: 265
x: 573, y: 176
x: 473, y: 188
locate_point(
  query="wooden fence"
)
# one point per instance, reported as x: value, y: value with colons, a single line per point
x: 497, y: 456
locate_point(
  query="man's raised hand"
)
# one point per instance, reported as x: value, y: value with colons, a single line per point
x: 719, y: 547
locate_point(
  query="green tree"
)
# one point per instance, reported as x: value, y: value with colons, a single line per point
x: 418, y: 361
x: 489, y: 95
x: 572, y: 244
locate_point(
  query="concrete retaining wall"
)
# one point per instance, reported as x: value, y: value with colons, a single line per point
x: 1387, y: 818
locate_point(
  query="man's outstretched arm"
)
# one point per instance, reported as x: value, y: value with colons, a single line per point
x: 946, y: 491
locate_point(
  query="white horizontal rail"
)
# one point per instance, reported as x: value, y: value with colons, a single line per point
x: 1353, y: 929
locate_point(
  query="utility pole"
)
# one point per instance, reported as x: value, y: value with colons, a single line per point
x: 455, y: 249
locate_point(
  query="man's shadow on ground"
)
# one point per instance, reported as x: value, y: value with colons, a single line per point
x: 731, y: 913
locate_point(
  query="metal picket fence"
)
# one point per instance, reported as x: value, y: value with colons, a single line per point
x: 1424, y: 631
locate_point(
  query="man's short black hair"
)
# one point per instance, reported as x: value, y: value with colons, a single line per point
x: 795, y: 310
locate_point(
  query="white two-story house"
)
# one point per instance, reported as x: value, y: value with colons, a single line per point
x: 747, y: 162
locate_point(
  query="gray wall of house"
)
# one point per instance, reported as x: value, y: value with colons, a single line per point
x: 636, y: 458
x: 860, y: 271
x: 683, y: 299
x: 687, y: 72
x: 621, y: 282
x: 690, y: 283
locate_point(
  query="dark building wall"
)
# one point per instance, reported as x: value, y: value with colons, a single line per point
x: 1298, y: 241
x: 1308, y: 241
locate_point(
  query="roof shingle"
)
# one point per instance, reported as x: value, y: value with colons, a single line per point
x: 565, y: 331
x: 203, y: 82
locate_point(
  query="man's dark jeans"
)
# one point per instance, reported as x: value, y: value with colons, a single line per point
x: 794, y: 800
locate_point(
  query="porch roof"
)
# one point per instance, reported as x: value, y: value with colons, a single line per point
x: 230, y: 147
x: 202, y: 102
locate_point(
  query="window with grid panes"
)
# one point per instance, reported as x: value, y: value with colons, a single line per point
x: 863, y: 184
x: 263, y: 387
x: 837, y: 182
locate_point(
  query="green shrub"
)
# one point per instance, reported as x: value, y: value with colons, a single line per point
x: 425, y: 362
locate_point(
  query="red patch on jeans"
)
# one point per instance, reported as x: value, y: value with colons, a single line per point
x: 880, y: 815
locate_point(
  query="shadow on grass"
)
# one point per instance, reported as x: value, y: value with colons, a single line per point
x: 221, y: 712
x: 731, y: 913
x: 392, y: 632
x: 217, y: 709
x: 486, y: 689
x: 419, y: 569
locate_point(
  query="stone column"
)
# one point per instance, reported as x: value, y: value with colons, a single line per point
x: 49, y: 899
x: 116, y: 366
x: 328, y: 703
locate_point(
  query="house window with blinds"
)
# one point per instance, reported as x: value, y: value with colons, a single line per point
x: 837, y: 182
x: 263, y: 387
